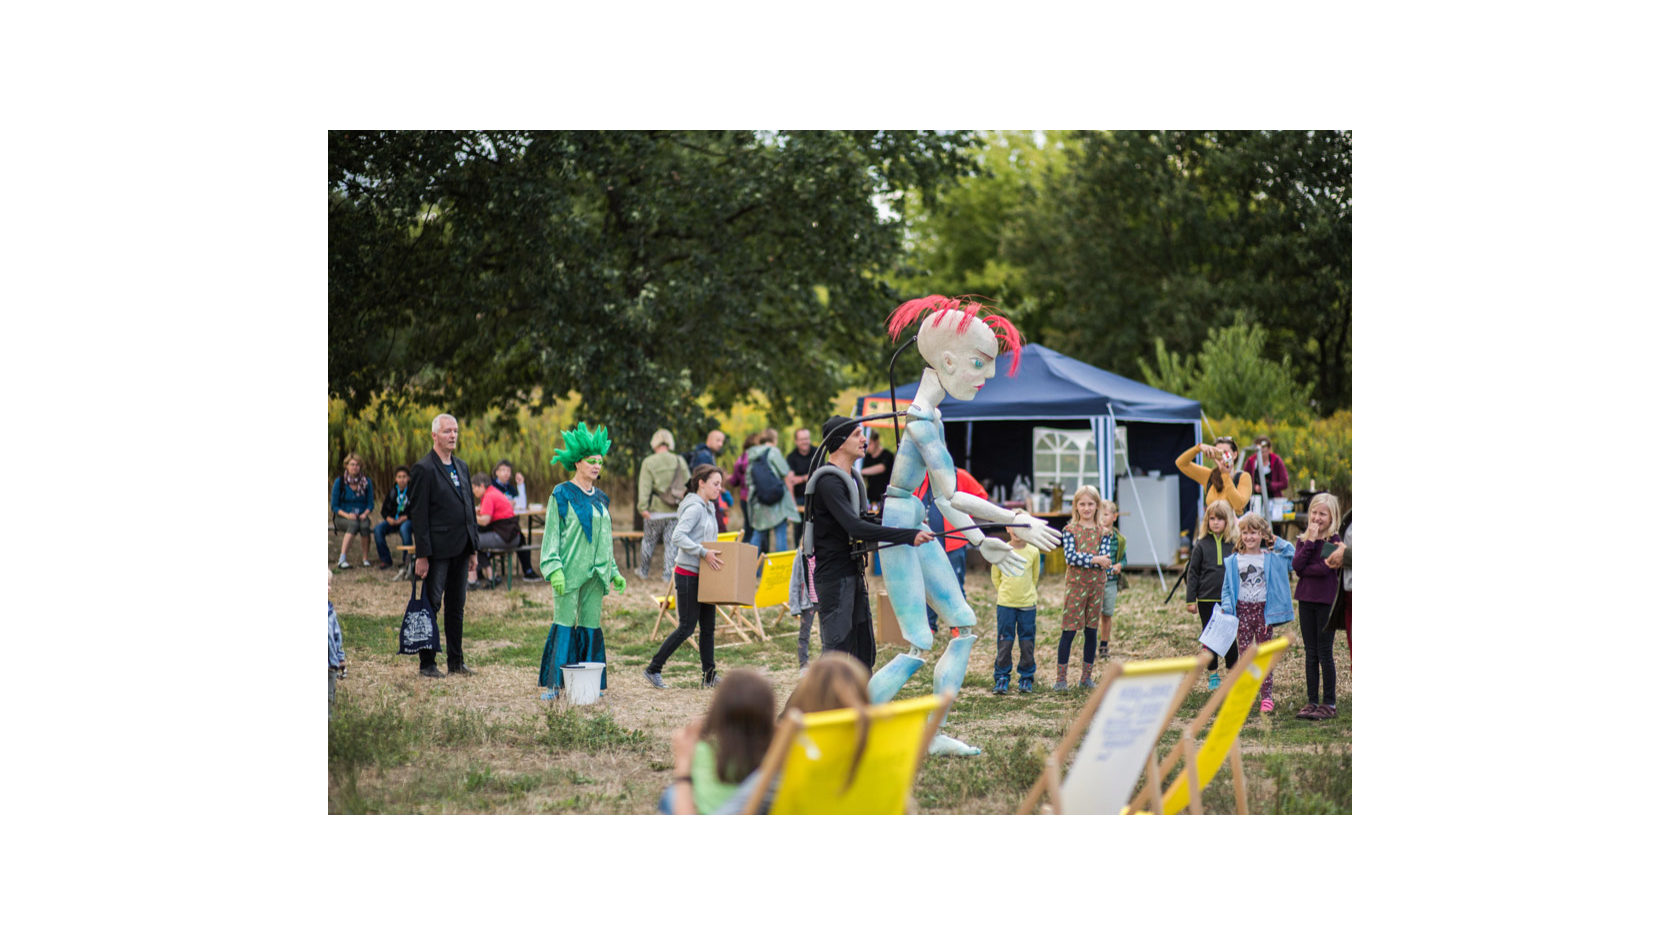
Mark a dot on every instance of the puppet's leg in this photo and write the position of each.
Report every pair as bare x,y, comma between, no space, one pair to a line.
946,598
904,594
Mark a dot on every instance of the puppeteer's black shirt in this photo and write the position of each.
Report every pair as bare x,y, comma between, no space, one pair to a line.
832,519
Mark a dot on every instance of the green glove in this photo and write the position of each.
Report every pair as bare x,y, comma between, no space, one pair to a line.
618,583
558,580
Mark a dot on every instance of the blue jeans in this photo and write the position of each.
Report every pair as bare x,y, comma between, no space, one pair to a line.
762,538
959,567
1016,623
406,530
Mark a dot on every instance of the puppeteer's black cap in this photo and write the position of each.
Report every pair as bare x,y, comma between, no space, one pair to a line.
836,429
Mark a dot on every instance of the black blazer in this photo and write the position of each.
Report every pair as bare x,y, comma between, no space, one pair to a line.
444,519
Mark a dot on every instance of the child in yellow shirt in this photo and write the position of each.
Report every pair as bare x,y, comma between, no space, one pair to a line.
1017,618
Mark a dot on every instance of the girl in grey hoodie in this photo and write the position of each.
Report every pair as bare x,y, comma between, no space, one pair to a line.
696,524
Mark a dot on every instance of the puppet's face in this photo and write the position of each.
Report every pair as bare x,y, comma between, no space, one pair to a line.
965,360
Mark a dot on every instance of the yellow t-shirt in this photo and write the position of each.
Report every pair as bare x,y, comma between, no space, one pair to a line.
1019,592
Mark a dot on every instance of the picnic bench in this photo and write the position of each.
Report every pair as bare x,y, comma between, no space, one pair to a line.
628,542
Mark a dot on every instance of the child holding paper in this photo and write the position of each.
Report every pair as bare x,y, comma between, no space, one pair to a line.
1257,588
1205,574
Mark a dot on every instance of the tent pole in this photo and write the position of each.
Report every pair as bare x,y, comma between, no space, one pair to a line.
1126,457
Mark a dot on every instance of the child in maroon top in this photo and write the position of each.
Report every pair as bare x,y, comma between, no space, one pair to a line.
1316,591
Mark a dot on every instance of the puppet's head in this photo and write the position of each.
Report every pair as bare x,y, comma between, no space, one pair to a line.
959,339
581,442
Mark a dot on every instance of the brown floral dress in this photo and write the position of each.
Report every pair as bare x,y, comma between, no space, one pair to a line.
1083,606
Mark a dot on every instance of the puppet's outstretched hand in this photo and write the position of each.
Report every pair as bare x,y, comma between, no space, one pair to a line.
1036,532
997,551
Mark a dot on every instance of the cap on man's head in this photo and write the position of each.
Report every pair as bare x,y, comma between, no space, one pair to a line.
835,430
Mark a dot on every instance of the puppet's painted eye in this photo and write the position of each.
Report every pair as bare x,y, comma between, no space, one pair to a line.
977,364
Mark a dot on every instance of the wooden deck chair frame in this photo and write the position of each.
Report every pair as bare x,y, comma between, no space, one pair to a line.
1050,782
793,723
1225,714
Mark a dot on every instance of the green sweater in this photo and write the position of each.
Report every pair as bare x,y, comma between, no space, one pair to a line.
657,471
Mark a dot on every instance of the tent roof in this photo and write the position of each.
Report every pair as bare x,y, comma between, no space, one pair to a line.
1051,385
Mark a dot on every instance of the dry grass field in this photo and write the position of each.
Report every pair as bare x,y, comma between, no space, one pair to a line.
400,743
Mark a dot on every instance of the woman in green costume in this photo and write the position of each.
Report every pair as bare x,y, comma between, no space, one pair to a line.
577,558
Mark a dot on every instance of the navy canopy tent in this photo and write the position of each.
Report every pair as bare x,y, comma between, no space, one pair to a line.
991,435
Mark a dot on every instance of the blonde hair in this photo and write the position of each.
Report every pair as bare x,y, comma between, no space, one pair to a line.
663,437
1221,509
1073,503
1107,506
1328,500
1257,522
836,680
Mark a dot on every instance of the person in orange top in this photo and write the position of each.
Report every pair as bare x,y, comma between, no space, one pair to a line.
1220,481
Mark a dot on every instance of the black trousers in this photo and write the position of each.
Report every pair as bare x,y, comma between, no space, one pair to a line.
689,612
1205,608
843,611
446,588
1317,636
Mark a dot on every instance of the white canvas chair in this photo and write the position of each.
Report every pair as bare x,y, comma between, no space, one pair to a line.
1116,733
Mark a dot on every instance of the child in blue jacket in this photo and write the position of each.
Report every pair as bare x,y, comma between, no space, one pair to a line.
1257,588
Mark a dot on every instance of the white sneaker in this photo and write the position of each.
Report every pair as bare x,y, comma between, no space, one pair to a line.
343,562
366,563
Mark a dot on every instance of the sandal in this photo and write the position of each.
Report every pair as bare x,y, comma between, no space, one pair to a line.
1326,712
1309,712
1266,707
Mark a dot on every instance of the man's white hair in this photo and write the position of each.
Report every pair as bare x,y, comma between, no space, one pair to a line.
437,421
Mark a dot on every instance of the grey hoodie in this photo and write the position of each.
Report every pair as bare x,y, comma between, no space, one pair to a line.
696,523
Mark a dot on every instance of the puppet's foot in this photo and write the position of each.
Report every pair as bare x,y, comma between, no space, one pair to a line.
889,679
549,695
948,673
946,745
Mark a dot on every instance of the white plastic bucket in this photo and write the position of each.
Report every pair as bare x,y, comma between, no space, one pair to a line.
583,682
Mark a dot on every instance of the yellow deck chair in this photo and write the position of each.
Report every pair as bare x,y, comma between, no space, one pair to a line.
813,753
772,586
1232,703
1116,733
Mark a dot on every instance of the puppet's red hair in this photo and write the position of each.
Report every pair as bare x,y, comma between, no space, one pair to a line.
938,306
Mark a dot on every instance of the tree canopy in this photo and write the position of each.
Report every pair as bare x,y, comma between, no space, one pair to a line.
642,269
1099,243
648,271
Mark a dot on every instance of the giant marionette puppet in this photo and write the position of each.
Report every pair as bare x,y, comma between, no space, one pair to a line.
959,341
577,558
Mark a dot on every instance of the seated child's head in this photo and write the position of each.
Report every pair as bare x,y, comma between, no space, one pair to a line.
1219,521
480,482
402,477
1256,533
1107,513
836,681
740,723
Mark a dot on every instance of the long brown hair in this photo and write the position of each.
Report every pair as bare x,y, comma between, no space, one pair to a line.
1216,481
836,681
740,722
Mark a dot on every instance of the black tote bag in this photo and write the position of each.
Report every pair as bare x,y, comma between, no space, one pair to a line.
419,630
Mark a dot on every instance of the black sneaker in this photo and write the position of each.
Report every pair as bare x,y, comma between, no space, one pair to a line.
653,679
461,671
431,672
533,576
709,682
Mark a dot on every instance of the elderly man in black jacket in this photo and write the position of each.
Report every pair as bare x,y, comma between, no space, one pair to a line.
445,537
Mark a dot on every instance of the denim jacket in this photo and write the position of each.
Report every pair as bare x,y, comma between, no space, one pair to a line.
1279,609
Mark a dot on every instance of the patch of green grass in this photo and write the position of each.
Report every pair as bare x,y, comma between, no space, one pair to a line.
575,730
359,735
1315,782
946,782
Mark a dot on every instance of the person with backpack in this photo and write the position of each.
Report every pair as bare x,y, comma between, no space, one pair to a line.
835,503
770,493
659,490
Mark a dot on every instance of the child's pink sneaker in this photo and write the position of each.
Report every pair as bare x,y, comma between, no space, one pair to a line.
1266,707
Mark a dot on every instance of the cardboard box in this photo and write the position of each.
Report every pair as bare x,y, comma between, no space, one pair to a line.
887,632
737,583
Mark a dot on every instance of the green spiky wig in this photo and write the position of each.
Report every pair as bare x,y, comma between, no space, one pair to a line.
581,442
